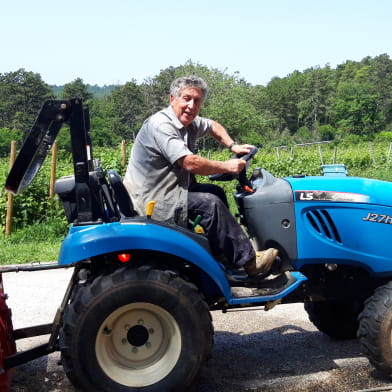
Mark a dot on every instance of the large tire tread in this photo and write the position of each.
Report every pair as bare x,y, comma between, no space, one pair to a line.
336,319
90,294
375,327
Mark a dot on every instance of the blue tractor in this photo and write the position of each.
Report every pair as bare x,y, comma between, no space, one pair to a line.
136,314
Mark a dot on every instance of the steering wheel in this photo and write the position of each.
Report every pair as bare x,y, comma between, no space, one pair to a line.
242,175
248,156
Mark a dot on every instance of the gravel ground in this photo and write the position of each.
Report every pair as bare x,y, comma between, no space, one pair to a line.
254,350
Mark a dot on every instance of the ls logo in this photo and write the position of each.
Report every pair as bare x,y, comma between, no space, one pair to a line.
333,196
305,195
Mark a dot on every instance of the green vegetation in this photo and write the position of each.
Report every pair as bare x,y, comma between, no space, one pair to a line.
350,107
39,224
37,242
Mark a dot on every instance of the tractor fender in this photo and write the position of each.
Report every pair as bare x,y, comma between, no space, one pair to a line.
83,242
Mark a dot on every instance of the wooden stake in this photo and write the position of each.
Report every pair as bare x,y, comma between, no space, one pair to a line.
123,153
53,170
320,154
372,153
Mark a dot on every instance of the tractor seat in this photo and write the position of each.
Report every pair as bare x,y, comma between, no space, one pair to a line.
121,195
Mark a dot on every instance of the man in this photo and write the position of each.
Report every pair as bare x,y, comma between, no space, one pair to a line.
163,164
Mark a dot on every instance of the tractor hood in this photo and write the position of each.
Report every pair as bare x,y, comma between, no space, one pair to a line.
341,189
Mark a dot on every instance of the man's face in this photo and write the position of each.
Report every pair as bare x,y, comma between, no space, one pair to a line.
187,105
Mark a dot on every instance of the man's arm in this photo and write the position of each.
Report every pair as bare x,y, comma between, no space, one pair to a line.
199,165
219,133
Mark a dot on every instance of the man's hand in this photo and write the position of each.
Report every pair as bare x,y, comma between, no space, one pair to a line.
235,166
241,149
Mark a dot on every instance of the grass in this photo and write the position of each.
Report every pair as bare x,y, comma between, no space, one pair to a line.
39,242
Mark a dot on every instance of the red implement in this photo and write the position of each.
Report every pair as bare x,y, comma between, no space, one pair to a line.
7,342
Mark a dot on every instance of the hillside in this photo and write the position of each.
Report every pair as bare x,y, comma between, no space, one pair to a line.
97,91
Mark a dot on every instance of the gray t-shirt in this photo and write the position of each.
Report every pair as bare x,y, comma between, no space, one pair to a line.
152,172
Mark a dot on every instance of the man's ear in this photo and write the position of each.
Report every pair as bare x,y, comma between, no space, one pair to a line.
171,98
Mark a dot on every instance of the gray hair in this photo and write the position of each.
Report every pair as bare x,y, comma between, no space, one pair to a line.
190,82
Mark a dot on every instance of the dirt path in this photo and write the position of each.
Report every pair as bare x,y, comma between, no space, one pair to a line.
256,351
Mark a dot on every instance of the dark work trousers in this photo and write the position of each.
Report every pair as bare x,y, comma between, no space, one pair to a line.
225,235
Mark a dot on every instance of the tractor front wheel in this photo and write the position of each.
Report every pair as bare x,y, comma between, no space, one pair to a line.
337,319
139,329
375,328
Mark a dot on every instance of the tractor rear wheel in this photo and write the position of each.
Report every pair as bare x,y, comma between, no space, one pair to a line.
375,328
136,330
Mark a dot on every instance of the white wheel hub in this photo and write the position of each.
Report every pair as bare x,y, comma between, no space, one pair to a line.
138,344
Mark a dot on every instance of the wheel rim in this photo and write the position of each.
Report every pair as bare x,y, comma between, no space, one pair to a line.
138,344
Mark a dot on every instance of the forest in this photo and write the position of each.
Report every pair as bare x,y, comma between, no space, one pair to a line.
351,102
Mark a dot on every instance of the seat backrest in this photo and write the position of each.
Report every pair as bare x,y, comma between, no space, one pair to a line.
121,195
99,206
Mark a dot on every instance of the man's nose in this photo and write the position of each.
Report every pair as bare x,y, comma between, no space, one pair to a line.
191,103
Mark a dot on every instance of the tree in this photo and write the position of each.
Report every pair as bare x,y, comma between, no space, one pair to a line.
22,94
229,104
103,122
282,97
354,109
129,109
381,78
156,90
6,137
315,94
76,89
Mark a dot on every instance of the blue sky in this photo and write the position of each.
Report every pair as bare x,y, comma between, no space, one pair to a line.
115,41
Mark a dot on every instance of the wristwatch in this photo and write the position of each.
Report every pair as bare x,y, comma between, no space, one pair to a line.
232,145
